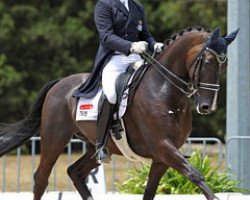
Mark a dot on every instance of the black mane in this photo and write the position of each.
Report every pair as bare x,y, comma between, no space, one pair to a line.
182,32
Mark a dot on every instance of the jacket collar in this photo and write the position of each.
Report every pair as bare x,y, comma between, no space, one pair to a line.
132,10
122,7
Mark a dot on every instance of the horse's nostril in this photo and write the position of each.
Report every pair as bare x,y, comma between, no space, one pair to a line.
205,107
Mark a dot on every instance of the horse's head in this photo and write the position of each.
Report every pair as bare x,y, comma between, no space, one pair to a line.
207,69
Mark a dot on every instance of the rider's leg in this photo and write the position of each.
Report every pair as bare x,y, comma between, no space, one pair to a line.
106,110
117,65
109,75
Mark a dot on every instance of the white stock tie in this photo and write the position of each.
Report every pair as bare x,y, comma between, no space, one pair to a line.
125,3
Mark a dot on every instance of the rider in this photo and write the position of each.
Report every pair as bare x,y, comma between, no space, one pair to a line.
123,35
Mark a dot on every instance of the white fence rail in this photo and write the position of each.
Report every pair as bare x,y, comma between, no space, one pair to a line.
202,144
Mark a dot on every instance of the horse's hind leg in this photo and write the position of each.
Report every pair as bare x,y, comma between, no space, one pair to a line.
80,170
156,172
52,145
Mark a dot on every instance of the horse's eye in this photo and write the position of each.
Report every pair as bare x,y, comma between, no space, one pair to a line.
207,62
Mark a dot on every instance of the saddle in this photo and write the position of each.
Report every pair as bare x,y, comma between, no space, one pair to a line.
124,82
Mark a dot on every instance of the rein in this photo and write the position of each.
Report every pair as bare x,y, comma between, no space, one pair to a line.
165,72
190,87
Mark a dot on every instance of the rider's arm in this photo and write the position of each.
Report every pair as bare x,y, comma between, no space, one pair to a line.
104,25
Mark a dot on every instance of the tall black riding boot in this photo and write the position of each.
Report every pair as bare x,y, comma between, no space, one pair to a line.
104,122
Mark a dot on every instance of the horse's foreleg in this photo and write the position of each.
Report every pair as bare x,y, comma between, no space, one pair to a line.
171,157
80,170
156,172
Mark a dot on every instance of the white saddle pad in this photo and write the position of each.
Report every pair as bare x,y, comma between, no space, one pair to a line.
87,109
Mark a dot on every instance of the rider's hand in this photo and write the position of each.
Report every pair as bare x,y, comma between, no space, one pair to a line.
139,47
158,47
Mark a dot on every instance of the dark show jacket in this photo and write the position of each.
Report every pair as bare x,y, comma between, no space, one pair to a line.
117,28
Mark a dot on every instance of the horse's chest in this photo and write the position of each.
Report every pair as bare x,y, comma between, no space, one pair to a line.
178,125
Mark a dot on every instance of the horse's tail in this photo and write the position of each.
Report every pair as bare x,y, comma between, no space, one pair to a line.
15,134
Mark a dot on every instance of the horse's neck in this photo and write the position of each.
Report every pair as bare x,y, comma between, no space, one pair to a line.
181,53
175,59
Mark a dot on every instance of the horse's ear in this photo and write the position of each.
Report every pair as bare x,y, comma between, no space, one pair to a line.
215,35
229,38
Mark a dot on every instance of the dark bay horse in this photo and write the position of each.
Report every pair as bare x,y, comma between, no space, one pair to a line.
158,121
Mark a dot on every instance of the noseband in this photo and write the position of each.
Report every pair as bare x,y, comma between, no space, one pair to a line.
190,87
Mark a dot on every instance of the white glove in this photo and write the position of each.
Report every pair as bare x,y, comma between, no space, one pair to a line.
158,47
139,47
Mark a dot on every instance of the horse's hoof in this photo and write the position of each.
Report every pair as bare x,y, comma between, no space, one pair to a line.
90,198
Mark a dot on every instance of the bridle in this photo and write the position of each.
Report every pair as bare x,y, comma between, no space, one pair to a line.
190,88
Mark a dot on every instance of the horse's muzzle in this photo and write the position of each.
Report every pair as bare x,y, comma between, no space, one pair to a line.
204,108
205,104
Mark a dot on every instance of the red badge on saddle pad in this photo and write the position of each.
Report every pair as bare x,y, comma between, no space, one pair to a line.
86,106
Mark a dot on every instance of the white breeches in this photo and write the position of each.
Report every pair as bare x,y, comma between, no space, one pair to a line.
117,65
